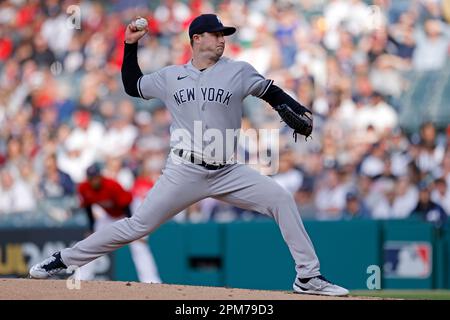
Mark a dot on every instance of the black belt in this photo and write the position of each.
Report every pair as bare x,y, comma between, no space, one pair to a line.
209,166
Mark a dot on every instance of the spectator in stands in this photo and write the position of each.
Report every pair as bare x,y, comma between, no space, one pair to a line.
373,164
426,209
401,34
385,207
330,196
54,183
366,191
387,79
440,194
304,197
396,200
354,207
429,10
74,58
49,120
74,157
378,114
54,29
289,177
14,154
263,50
153,56
88,130
15,195
398,149
430,151
432,47
172,16
42,55
406,196
116,170
29,177
143,120
285,32
121,133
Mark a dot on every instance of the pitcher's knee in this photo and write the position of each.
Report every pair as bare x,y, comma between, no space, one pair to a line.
137,227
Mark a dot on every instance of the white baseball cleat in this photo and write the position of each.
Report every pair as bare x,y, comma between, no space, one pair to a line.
47,268
318,285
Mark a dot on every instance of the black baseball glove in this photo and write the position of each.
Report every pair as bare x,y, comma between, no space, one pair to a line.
298,118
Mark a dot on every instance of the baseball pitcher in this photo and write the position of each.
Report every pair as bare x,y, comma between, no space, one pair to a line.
206,93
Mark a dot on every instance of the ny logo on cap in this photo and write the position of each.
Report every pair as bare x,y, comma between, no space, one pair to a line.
219,20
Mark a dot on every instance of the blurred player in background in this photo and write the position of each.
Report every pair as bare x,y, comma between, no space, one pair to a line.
105,202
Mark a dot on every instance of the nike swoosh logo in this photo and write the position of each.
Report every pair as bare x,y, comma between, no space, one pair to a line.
181,78
300,287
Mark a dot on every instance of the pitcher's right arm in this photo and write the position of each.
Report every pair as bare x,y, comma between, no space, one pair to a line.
131,72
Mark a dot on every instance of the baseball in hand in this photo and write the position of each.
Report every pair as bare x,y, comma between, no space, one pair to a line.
141,24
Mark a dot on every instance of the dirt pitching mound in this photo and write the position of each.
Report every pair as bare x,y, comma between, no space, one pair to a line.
27,289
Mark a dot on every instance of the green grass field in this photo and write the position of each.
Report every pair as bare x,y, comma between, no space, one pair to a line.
404,294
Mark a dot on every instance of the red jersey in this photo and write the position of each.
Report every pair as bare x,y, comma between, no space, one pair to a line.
111,196
141,187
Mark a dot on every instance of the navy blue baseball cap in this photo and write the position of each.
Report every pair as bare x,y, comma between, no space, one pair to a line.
93,170
209,23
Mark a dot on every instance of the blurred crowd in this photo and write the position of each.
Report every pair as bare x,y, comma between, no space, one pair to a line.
62,105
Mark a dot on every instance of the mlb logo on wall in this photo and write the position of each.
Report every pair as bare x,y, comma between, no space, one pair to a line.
412,260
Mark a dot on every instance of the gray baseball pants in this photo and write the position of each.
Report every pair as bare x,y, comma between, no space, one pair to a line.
183,184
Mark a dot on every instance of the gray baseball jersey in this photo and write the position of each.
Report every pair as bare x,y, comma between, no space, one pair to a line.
212,98
199,101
